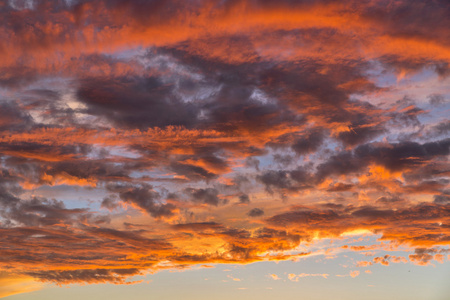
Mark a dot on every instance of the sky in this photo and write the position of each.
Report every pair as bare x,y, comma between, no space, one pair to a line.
217,149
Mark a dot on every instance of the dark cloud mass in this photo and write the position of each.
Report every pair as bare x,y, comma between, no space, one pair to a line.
394,157
137,136
255,212
208,196
136,102
144,197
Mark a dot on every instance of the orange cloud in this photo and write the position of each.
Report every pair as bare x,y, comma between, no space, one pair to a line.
12,284
296,277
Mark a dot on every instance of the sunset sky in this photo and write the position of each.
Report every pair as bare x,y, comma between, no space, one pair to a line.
224,149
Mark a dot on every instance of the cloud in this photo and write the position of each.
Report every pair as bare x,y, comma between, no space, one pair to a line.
13,118
423,256
208,196
135,102
436,99
244,199
170,150
363,263
354,274
275,277
255,212
12,284
296,277
116,276
143,197
192,172
285,180
394,157
309,143
399,224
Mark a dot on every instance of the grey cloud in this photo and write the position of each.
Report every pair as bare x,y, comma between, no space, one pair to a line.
192,172
145,197
208,196
309,143
286,180
255,212
244,199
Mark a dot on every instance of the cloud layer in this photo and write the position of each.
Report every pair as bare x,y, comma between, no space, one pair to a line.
145,135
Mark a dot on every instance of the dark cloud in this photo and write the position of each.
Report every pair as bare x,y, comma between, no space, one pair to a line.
307,216
36,211
148,13
198,226
309,143
278,179
110,203
286,180
407,117
394,157
116,276
131,238
7,198
17,76
403,155
235,110
341,187
194,173
363,127
175,98
43,94
423,256
255,212
44,152
419,224
283,160
442,199
136,102
387,200
95,169
252,162
244,199
340,164
436,99
372,213
442,128
13,118
415,20
208,196
321,88
145,197
44,212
